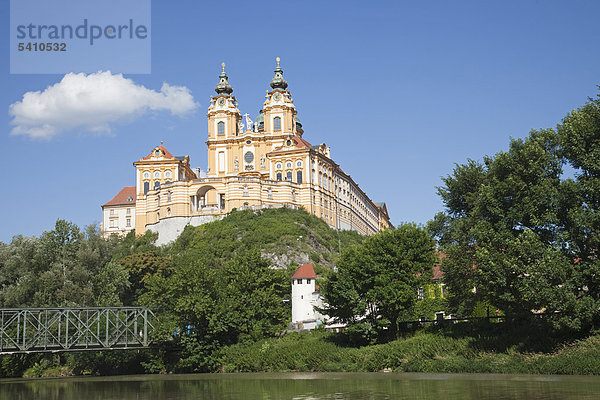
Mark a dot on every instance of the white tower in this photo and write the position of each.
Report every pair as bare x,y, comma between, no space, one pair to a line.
303,294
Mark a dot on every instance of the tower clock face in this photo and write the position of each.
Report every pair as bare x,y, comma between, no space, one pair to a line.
249,157
277,96
221,102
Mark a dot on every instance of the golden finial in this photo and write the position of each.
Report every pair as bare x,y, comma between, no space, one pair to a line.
278,59
223,66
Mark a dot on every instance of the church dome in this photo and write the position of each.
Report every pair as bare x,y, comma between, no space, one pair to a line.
278,82
223,87
260,120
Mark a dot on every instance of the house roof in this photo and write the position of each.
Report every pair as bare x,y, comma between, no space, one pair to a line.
305,271
162,148
299,143
122,198
437,273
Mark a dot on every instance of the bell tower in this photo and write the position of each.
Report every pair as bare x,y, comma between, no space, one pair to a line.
224,121
278,117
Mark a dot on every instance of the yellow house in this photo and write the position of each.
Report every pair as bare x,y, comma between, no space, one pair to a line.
251,165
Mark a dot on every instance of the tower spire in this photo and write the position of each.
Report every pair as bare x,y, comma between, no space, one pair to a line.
223,87
278,82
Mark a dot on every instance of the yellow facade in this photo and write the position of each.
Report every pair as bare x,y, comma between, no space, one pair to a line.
260,164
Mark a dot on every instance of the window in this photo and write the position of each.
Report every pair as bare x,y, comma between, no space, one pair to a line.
276,124
279,176
270,193
420,295
221,128
156,185
169,196
308,280
278,166
128,222
113,223
221,161
168,174
245,190
157,175
129,211
298,163
146,187
112,212
299,176
300,281
288,165
157,153
288,176
169,212
293,195
146,175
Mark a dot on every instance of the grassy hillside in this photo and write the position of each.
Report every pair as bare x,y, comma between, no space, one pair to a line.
284,236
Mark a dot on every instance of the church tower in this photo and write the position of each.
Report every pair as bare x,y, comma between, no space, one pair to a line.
224,121
278,116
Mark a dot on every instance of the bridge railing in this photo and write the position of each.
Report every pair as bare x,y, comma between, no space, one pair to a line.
26,330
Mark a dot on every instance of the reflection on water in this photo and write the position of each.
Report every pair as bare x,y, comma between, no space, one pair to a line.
304,386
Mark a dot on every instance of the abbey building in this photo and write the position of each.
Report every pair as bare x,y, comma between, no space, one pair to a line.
251,165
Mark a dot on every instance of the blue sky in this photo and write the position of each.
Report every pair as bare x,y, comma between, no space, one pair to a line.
400,91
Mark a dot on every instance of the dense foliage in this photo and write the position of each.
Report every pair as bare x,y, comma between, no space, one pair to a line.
212,287
487,348
376,283
523,236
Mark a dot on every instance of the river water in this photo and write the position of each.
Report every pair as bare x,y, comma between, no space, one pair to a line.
309,386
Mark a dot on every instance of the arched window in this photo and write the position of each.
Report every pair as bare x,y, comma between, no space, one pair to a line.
146,175
146,187
221,128
299,176
168,174
157,175
288,176
277,124
279,176
156,185
278,166
169,196
245,190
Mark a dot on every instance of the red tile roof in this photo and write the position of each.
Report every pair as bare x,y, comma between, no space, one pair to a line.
163,149
437,272
299,142
305,271
122,197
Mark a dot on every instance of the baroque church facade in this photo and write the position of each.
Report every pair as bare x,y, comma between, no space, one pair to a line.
251,165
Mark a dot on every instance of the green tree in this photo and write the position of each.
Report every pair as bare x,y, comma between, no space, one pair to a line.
207,306
522,236
379,280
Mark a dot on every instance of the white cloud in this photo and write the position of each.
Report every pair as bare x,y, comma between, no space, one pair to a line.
92,102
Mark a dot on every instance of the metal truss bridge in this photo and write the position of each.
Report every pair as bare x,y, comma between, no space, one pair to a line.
29,330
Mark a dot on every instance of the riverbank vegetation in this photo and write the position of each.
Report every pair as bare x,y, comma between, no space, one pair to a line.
465,349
